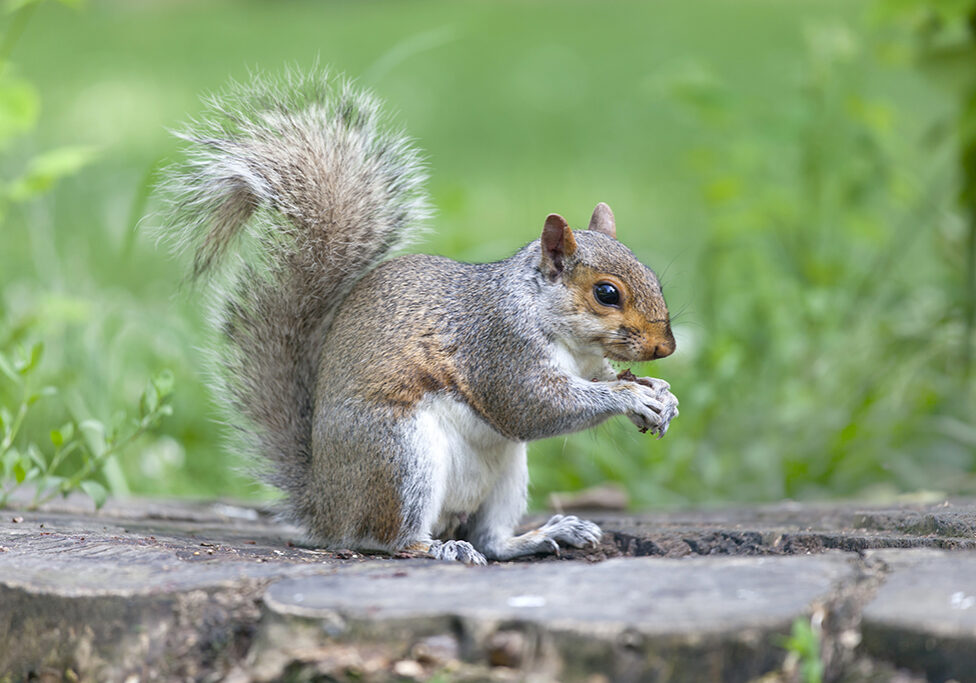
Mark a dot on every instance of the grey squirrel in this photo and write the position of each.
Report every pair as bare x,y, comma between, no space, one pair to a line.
391,399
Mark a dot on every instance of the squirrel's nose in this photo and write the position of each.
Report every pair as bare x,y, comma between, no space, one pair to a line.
663,350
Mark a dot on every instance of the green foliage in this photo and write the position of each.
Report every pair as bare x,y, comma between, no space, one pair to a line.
942,36
79,450
794,180
20,107
46,169
804,646
811,310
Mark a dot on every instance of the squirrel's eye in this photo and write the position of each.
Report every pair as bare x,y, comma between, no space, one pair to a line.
606,294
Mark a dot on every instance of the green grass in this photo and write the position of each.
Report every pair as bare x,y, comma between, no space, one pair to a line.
772,160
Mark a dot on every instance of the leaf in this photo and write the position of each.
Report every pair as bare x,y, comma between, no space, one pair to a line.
38,395
111,438
94,433
19,107
20,472
29,359
34,453
46,169
51,481
8,369
60,436
95,491
37,350
149,400
10,460
163,381
804,642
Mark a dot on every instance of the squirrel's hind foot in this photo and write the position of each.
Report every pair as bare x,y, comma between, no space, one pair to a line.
570,530
559,531
455,551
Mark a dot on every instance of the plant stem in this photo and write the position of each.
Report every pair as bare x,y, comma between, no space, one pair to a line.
14,428
61,455
89,466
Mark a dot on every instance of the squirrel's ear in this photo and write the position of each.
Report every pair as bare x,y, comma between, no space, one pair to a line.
558,243
602,221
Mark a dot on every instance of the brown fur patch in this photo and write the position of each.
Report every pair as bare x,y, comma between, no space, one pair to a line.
384,517
423,366
641,316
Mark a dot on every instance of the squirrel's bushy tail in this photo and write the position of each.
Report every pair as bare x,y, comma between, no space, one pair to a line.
292,191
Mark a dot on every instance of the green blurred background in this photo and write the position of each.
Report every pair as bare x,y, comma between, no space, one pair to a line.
790,169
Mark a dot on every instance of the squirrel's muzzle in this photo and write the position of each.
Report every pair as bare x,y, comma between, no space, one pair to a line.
663,349
659,346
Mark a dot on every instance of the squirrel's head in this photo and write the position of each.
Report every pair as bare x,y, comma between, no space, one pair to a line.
603,294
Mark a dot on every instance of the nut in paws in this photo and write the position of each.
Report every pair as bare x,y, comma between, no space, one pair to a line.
657,406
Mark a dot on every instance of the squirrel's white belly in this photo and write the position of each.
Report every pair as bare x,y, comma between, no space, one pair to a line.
467,457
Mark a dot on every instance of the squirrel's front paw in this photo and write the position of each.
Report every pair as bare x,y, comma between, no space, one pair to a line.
456,551
663,393
654,406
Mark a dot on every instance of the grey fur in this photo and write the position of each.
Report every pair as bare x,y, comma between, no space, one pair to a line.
304,176
392,398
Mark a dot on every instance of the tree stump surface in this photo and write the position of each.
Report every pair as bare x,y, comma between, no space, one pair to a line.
164,590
